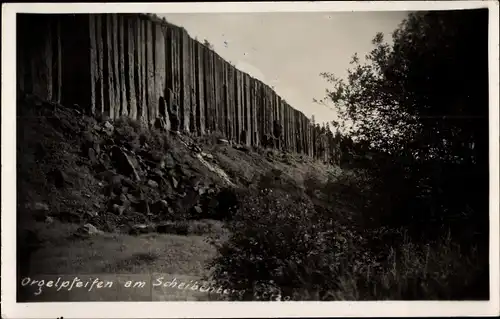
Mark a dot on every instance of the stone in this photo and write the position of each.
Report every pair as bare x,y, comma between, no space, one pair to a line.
93,214
157,172
105,160
152,183
169,160
122,162
117,209
90,229
223,141
91,153
175,183
161,164
88,138
141,229
163,209
202,190
206,155
242,148
174,120
195,148
49,220
156,156
108,128
143,206
163,203
97,148
39,207
132,199
198,209
160,123
124,200
171,211
180,170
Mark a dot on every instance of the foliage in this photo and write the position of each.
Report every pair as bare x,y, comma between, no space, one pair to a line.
408,217
285,246
134,135
208,44
273,241
418,92
415,113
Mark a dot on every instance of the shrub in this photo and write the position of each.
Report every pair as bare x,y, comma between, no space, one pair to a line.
228,202
211,138
134,135
289,246
276,179
127,132
280,244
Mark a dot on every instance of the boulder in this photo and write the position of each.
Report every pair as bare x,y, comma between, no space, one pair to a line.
139,229
195,148
122,162
160,123
38,207
223,141
92,155
118,209
152,184
92,214
160,207
169,160
108,128
206,155
198,209
242,148
89,229
175,183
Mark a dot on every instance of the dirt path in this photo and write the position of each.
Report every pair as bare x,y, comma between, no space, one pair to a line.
161,261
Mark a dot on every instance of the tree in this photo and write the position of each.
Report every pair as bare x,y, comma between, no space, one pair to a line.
421,102
208,44
422,82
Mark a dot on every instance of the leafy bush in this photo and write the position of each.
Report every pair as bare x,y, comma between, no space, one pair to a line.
134,135
290,246
278,240
227,203
276,179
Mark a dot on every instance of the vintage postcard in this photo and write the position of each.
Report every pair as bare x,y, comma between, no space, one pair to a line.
250,159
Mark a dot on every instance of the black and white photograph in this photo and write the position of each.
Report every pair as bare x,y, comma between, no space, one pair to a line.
167,154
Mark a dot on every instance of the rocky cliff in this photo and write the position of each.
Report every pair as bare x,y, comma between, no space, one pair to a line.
138,66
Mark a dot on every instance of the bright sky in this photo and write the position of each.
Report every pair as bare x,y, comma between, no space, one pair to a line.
290,50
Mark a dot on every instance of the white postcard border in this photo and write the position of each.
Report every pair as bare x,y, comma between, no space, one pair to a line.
11,309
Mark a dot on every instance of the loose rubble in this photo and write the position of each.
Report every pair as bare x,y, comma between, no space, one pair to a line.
136,185
144,188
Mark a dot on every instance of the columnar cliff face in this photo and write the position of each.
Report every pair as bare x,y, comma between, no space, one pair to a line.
136,66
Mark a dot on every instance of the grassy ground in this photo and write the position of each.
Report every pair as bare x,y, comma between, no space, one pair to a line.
120,257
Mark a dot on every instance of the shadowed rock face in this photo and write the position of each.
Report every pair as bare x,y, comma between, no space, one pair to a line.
137,66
